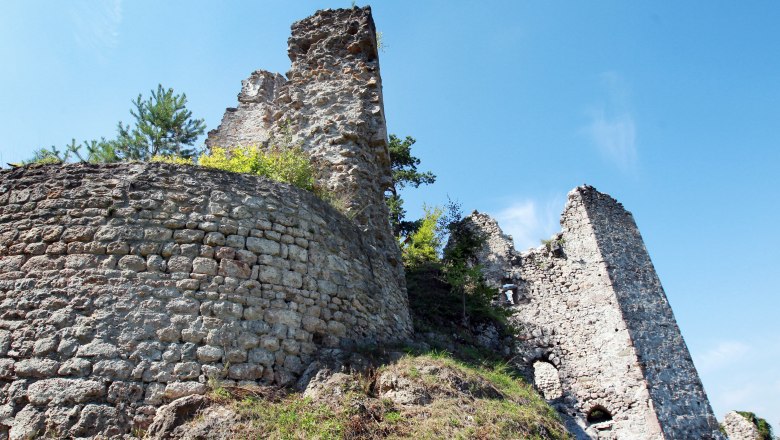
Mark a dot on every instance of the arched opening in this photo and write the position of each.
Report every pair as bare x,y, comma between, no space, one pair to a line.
509,292
599,414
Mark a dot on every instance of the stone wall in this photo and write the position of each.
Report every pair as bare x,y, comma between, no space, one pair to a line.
590,304
739,427
331,103
124,286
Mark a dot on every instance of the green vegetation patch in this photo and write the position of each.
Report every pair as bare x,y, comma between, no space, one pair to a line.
288,164
294,417
764,428
467,401
472,401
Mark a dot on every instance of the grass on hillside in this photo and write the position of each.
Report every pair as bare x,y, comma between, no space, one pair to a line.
467,402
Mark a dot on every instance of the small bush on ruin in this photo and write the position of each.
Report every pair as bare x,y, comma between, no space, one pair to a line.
424,244
176,160
764,428
282,164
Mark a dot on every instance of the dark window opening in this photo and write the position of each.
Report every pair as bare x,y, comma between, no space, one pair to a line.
599,414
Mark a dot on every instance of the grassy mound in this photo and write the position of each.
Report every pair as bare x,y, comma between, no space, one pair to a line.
430,396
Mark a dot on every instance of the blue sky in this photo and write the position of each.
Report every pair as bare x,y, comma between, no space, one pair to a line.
671,107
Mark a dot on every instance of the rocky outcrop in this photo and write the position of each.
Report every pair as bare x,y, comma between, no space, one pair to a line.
497,256
413,397
739,427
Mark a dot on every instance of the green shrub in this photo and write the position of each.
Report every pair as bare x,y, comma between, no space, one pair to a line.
48,160
176,160
764,428
424,244
283,164
461,270
294,417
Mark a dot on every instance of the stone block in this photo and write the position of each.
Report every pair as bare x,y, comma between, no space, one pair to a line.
155,263
209,353
297,253
269,274
261,356
124,392
112,369
313,324
235,241
234,269
75,367
247,257
188,236
283,316
155,393
269,343
235,355
36,368
337,329
214,239
186,306
175,390
58,391
78,233
134,263
187,370
263,246
293,364
292,279
205,266
45,346
245,371
180,263
157,233
7,369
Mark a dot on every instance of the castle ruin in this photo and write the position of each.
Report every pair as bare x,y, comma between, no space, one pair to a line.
125,286
598,333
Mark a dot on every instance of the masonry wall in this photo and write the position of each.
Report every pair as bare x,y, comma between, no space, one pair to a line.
331,103
591,306
675,388
124,286
740,427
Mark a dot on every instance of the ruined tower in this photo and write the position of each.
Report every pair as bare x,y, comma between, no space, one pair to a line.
598,331
125,286
331,103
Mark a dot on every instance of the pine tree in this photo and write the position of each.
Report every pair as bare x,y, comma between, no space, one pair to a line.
163,126
404,169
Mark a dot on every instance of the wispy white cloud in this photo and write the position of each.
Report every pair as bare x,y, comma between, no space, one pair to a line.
724,354
612,127
96,24
742,376
528,220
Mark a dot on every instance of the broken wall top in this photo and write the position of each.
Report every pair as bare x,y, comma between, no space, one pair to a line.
331,104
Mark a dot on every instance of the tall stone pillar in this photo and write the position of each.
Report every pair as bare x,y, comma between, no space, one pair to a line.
331,103
592,312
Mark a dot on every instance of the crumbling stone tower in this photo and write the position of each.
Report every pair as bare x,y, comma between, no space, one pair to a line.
125,286
598,331
331,102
